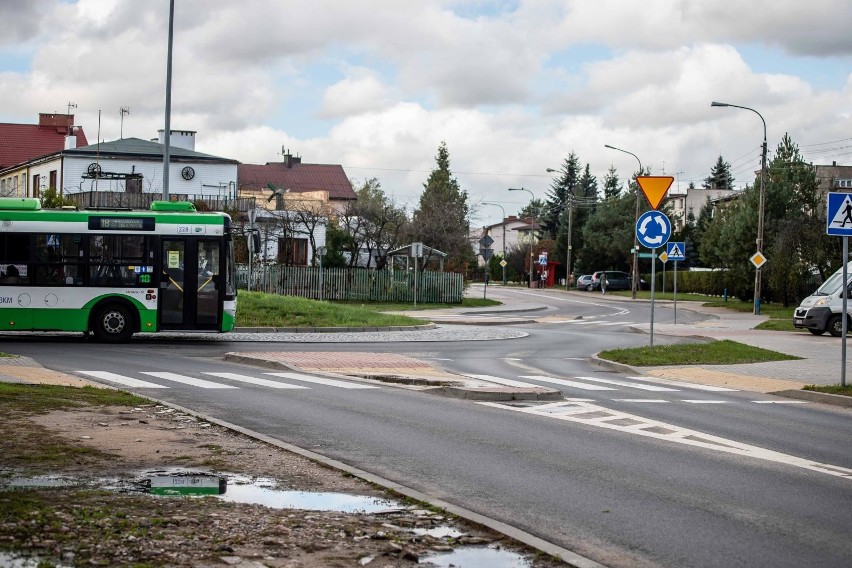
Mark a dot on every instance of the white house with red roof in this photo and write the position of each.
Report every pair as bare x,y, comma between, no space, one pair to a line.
20,143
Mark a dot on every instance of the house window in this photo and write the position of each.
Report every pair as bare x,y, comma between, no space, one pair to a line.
293,252
36,182
52,184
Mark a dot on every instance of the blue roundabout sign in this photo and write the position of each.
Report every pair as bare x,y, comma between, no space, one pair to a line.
653,229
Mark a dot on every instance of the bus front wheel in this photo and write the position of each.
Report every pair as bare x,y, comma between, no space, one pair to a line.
113,324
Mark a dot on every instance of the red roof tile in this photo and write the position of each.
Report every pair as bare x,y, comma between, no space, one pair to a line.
22,142
298,177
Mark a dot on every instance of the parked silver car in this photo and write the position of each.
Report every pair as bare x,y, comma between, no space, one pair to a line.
584,282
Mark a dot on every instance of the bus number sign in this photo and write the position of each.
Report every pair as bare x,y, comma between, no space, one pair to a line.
121,223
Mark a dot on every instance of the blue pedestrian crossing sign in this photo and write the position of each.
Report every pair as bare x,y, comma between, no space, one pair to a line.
653,229
839,216
676,251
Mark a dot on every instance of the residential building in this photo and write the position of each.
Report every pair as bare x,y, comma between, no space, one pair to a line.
20,143
291,176
692,200
834,177
294,202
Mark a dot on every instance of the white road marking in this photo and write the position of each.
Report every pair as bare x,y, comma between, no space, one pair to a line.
705,401
321,381
624,384
565,383
780,401
602,417
683,384
641,400
255,381
200,383
122,380
501,381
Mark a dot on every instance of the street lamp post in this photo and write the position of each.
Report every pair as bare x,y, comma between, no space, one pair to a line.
569,203
635,280
504,236
759,239
532,229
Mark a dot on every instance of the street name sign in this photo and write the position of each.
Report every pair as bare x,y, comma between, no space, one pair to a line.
654,188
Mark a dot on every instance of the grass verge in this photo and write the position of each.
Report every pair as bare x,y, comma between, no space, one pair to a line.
256,309
725,352
38,399
830,389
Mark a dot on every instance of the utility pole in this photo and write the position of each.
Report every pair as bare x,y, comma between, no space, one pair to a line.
635,280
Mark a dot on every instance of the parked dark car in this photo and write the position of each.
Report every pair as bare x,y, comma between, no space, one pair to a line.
584,281
615,280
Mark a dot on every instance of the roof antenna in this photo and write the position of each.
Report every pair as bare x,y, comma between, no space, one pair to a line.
70,106
123,111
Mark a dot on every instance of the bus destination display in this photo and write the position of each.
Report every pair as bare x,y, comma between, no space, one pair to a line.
121,223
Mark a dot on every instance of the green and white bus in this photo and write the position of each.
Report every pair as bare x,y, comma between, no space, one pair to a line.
115,272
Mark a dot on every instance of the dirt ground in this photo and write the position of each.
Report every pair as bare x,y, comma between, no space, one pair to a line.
86,524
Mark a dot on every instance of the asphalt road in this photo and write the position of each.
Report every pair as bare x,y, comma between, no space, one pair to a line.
745,485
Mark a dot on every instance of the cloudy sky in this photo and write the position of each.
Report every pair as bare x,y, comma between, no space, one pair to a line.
512,86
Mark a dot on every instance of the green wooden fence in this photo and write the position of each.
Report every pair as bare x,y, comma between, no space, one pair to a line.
354,284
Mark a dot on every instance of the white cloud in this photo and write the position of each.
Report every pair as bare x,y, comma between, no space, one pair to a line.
377,85
354,95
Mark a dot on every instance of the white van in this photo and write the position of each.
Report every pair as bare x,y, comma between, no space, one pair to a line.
820,312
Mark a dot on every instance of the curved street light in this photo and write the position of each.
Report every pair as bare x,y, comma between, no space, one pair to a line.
532,229
504,235
759,239
569,199
635,280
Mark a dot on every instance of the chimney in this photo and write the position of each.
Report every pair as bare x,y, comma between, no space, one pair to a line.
179,138
61,122
290,159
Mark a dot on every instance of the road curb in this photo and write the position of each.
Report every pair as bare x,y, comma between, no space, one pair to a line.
429,325
814,396
498,394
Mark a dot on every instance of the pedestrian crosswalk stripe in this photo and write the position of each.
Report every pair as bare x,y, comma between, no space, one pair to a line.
201,383
255,381
501,381
631,385
683,384
565,383
321,381
121,380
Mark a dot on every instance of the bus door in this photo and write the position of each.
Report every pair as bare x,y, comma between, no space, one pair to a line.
191,284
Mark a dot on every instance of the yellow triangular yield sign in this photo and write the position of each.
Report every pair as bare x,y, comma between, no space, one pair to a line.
654,188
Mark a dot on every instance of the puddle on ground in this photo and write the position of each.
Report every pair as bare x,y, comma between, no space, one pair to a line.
307,500
439,532
477,557
262,491
8,560
231,488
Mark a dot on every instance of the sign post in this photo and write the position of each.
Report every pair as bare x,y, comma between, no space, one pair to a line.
653,230
676,252
416,252
839,213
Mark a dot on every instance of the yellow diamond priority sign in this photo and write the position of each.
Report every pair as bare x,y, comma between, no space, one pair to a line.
654,188
757,259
